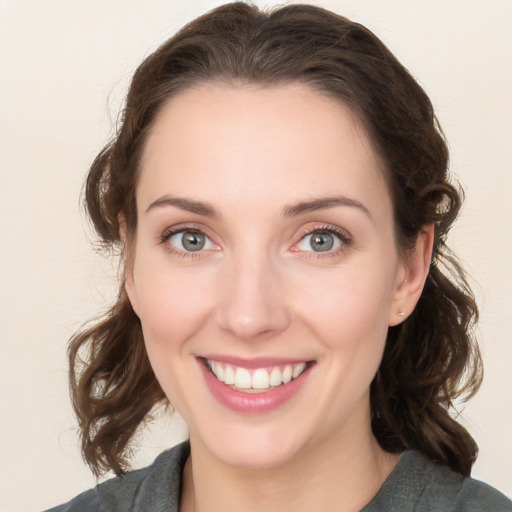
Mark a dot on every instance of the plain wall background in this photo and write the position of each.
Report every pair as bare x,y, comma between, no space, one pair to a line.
64,68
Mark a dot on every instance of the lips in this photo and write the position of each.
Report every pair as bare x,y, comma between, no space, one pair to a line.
254,386
244,379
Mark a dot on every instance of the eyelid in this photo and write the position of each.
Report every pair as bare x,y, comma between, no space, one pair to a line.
171,231
344,237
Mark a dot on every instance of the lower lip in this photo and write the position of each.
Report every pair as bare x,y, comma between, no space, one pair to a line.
252,403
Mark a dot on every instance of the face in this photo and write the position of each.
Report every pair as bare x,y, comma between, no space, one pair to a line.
265,272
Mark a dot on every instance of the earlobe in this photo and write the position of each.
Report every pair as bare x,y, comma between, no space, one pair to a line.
412,277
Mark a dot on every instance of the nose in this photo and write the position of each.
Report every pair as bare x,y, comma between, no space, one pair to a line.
252,303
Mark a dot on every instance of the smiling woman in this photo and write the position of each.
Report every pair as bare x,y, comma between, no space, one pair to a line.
279,188
287,282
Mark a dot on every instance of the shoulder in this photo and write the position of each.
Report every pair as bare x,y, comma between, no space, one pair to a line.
156,487
476,496
420,485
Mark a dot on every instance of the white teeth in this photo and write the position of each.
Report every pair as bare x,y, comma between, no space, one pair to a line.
242,379
260,378
298,370
276,377
287,374
229,376
218,370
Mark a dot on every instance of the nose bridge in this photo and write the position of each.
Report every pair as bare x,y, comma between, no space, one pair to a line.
253,302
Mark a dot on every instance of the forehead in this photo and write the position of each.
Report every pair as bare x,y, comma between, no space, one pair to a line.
250,144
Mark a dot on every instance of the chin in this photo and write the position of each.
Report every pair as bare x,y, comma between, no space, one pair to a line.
253,448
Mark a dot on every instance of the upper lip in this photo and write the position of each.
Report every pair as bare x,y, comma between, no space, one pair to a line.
253,363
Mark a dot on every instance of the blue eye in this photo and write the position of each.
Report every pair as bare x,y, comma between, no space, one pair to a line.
189,241
320,241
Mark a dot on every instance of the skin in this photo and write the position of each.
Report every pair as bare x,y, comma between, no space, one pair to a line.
259,289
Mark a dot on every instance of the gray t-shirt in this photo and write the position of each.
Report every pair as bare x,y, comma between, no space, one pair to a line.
415,485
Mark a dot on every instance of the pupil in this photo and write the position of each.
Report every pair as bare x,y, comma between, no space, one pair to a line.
193,241
322,242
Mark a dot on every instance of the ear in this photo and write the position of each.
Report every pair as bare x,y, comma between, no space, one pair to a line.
411,277
127,254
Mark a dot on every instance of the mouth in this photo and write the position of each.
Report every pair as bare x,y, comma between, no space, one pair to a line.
254,386
255,380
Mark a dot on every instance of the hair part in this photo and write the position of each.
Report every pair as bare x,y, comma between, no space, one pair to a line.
430,360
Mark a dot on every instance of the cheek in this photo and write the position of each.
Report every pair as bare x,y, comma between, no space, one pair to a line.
172,305
352,329
349,319
348,305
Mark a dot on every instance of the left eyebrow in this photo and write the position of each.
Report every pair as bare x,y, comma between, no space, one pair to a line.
184,203
323,203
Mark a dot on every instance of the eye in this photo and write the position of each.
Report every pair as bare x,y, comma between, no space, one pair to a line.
322,240
188,240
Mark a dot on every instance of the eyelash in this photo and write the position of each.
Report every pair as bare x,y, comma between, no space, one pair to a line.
169,233
341,234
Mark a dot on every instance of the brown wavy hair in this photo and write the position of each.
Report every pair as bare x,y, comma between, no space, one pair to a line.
430,359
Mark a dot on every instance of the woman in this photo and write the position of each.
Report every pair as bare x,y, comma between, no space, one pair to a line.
279,189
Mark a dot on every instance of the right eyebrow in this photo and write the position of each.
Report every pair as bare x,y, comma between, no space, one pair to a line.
189,205
324,203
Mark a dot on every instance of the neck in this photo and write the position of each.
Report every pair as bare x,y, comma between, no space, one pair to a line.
335,475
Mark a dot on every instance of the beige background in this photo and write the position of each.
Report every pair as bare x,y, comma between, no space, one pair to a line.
64,70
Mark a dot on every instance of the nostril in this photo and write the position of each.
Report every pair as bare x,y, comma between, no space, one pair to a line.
257,324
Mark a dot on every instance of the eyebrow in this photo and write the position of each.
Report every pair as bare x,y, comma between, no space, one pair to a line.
207,209
189,205
322,204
